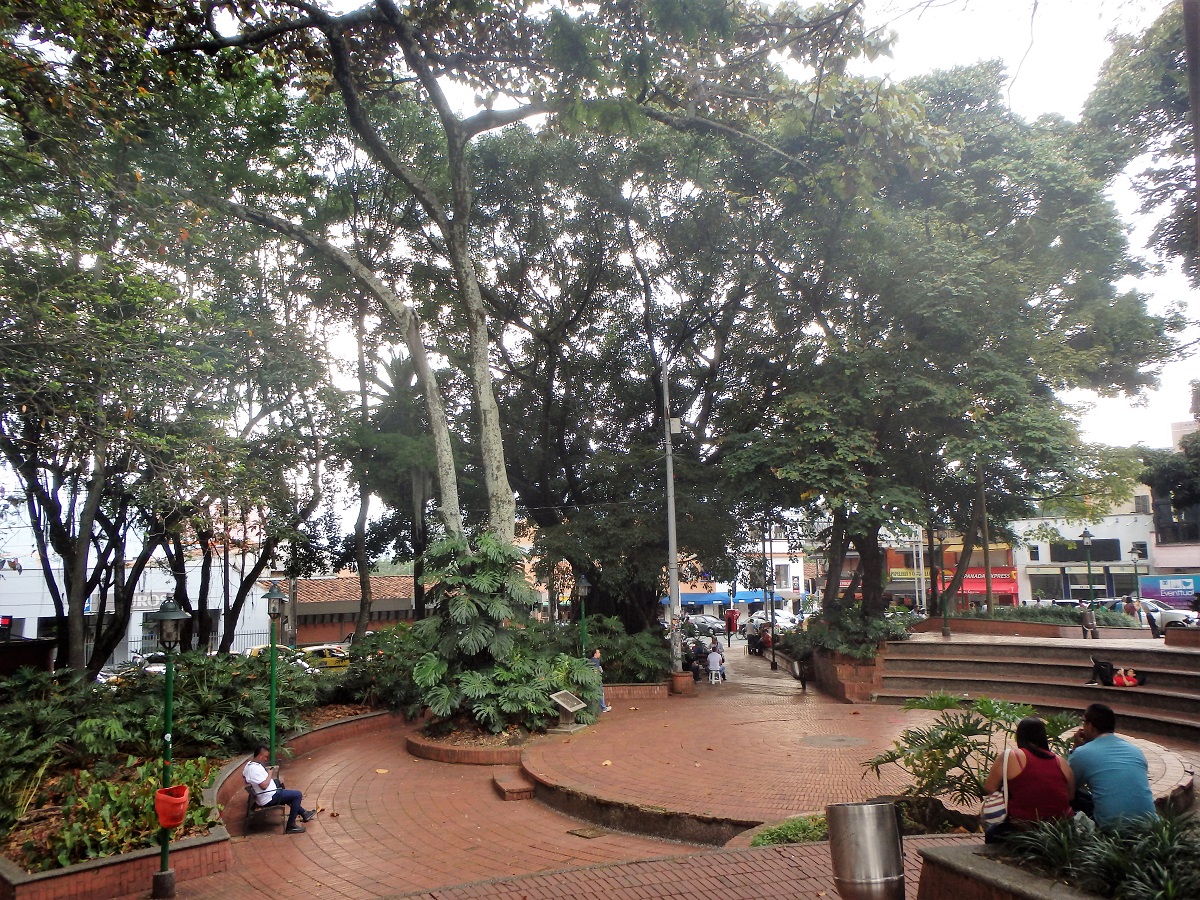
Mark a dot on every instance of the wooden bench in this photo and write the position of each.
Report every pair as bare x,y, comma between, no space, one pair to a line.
254,811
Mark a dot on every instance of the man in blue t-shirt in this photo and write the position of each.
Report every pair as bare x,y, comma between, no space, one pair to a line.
1111,768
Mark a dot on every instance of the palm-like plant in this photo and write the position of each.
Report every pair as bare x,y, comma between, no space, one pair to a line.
951,757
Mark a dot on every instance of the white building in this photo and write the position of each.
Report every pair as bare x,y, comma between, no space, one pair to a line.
1054,562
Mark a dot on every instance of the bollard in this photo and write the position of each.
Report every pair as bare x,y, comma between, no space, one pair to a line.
864,843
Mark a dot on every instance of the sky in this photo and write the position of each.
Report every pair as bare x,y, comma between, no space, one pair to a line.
1053,50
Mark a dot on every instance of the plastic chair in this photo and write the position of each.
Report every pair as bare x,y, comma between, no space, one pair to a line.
714,676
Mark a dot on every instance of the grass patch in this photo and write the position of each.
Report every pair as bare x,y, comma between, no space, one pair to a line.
800,830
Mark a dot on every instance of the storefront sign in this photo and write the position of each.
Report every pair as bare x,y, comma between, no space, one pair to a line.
1004,581
1177,590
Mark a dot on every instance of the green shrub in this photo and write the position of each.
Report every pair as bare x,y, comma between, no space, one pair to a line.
1150,859
643,658
55,722
1049,614
380,671
952,757
800,830
107,816
485,659
847,633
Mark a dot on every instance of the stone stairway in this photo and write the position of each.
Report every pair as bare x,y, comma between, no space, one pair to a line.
1050,674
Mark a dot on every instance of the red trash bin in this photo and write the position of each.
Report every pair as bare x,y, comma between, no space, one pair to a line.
171,804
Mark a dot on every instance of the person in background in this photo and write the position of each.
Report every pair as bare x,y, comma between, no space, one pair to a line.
1040,783
268,792
595,663
1150,620
716,662
1113,771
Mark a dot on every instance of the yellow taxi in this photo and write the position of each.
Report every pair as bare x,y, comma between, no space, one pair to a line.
325,656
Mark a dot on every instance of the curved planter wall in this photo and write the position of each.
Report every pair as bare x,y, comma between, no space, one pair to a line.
194,857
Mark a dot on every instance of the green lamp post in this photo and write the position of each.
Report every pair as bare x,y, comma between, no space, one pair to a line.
170,619
1086,537
941,536
1135,554
274,598
582,585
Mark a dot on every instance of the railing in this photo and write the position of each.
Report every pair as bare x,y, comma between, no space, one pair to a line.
1177,533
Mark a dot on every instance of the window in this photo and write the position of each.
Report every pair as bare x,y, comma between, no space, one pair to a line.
1035,553
1139,549
1141,504
1103,550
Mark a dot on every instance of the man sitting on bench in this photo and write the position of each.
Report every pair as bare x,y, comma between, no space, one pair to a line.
267,792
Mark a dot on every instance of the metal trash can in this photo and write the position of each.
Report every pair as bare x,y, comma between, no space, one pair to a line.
864,843
1088,621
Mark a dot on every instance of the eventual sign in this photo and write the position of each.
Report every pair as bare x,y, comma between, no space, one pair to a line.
1175,590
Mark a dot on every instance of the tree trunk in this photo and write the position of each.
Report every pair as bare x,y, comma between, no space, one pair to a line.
872,564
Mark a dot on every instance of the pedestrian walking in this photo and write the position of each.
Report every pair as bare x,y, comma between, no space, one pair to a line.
596,664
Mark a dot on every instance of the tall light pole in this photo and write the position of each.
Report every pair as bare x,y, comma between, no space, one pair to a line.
941,562
672,427
1135,553
1086,537
769,584
170,619
274,598
582,585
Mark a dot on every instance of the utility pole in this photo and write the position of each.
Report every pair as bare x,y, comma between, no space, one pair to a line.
671,426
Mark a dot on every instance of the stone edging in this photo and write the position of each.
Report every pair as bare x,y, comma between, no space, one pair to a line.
652,821
464,756
950,873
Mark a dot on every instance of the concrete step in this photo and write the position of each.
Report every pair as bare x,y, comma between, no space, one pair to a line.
1072,693
511,783
1050,650
1039,670
1050,674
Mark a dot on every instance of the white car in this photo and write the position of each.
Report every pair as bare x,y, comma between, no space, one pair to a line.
1168,616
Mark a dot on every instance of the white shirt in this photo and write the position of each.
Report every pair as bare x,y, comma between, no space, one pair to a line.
714,661
255,773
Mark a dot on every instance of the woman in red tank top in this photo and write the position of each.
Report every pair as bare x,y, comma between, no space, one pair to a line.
1040,783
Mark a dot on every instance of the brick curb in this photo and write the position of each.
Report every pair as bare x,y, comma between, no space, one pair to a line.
463,756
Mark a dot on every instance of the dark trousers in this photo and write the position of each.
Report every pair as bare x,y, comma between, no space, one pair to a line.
292,799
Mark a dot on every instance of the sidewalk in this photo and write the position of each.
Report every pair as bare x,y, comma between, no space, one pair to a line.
752,748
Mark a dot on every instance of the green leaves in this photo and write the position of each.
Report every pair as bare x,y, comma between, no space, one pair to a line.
951,757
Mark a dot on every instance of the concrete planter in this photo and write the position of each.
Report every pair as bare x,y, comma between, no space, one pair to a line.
637,691
682,683
847,678
952,873
116,876
1188,638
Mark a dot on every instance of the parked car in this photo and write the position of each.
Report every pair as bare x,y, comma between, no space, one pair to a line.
1166,615
285,655
706,624
326,656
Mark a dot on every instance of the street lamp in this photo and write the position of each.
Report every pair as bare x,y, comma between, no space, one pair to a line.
1086,537
769,584
170,619
583,586
729,619
941,562
1135,553
274,598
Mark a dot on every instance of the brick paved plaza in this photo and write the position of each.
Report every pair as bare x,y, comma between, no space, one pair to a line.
756,748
